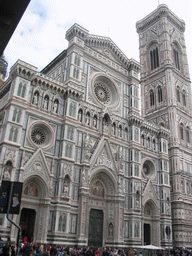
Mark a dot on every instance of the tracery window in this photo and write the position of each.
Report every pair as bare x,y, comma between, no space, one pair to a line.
126,229
164,146
136,229
16,115
160,94
77,60
73,223
137,170
152,98
68,150
13,134
136,134
76,73
70,132
154,58
72,109
21,90
62,223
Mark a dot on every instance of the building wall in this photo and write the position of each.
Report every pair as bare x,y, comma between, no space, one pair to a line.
74,136
166,101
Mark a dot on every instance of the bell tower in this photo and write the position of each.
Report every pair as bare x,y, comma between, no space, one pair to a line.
166,101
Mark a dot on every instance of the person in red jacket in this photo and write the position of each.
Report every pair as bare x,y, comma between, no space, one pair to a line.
25,240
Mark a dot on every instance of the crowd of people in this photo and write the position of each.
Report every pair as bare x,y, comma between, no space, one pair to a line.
32,249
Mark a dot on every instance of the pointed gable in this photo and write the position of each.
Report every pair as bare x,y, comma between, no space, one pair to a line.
103,156
150,193
37,166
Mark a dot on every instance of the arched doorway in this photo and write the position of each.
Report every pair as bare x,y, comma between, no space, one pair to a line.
102,208
34,209
27,223
151,224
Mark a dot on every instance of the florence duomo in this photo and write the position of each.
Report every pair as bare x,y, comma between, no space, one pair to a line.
101,142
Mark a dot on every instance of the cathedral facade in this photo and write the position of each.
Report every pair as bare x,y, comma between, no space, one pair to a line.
95,170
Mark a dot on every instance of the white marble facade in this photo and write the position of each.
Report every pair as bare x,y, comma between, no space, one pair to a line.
74,136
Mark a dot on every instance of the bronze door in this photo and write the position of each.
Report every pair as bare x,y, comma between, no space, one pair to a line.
95,228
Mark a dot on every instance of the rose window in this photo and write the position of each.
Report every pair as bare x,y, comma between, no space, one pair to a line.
38,136
102,92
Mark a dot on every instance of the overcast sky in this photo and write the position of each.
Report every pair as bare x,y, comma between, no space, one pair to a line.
40,35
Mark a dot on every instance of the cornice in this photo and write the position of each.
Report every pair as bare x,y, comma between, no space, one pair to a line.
161,11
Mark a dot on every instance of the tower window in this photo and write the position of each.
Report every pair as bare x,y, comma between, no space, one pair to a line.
184,98
154,58
176,59
178,95
160,94
152,98
188,135
181,132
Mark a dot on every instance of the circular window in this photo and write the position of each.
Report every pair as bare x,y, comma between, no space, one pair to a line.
105,91
148,169
40,134
102,92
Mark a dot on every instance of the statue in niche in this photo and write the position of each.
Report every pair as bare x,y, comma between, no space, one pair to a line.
110,229
87,119
66,185
94,122
6,175
66,188
55,107
35,99
105,125
80,116
46,101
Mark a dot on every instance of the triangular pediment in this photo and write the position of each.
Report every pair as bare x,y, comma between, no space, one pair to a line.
36,166
107,53
107,48
150,193
103,156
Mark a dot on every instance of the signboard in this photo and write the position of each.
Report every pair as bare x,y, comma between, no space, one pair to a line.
15,197
4,196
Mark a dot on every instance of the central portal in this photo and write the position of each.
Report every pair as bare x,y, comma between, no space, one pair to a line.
27,223
95,228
